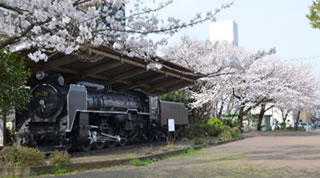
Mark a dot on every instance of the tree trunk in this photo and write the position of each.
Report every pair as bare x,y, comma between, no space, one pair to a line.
260,118
220,111
4,119
240,118
284,118
296,123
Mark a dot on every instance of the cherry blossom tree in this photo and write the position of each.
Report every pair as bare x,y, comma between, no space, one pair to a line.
70,26
299,90
223,65
247,80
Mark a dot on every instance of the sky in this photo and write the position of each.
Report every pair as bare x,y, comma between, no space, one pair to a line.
262,24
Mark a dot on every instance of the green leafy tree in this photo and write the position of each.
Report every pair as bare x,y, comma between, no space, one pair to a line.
314,15
13,94
182,96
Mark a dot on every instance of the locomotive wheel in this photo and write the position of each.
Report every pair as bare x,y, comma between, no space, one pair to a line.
98,145
67,147
86,147
123,143
110,144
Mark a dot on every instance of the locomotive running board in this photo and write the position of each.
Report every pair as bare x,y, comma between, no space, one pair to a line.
115,112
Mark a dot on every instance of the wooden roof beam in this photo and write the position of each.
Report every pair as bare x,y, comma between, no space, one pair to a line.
164,85
146,81
100,68
126,60
177,87
126,75
52,64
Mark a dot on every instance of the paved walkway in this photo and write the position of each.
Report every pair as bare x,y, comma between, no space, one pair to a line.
263,156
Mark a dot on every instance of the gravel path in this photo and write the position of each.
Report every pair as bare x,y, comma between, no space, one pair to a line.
260,156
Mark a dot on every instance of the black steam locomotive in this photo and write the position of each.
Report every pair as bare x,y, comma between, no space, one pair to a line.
82,114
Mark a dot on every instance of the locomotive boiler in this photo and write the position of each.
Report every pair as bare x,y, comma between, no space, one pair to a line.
84,114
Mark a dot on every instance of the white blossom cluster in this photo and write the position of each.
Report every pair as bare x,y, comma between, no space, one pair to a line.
245,79
67,26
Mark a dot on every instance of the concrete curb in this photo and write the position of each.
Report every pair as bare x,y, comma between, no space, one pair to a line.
49,169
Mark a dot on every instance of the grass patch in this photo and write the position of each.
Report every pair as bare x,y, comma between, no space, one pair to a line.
224,157
147,150
192,151
138,162
130,156
189,152
169,147
59,170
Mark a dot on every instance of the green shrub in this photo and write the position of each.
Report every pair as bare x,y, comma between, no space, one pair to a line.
182,96
198,141
211,131
236,133
60,158
29,157
198,130
22,156
213,121
9,156
225,135
229,133
214,126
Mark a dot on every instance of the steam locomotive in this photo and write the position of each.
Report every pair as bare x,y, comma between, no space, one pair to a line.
83,114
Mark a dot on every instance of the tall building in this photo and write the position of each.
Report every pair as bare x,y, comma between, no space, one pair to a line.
224,31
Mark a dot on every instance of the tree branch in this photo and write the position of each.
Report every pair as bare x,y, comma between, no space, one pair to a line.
168,29
13,39
149,10
15,9
270,107
79,2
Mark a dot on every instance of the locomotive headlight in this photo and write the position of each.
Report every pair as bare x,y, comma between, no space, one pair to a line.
40,75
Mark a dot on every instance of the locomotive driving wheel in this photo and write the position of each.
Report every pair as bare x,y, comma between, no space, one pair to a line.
110,144
86,147
99,145
67,147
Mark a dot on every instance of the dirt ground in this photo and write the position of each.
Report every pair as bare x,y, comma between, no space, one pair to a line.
260,156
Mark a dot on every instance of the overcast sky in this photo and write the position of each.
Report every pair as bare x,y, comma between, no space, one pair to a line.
262,24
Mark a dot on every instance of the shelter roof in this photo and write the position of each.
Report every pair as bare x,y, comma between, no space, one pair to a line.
118,71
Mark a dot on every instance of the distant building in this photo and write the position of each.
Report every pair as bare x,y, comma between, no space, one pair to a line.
224,31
